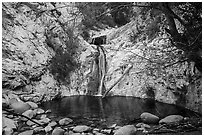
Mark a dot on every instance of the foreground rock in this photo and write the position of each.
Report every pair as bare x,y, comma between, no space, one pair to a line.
81,128
48,129
149,118
32,104
29,114
171,119
39,111
20,107
38,129
58,131
7,131
52,124
45,120
126,130
65,121
28,132
9,123
30,123
142,125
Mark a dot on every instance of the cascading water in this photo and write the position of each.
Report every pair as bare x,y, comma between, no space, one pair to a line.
98,69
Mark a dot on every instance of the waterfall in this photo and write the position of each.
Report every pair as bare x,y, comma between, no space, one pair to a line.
98,71
102,69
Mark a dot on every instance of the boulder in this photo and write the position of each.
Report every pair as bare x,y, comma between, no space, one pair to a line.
126,130
20,107
13,100
45,120
28,132
38,129
171,119
58,131
81,128
142,125
149,118
65,121
39,111
9,123
30,123
48,129
32,104
29,114
52,124
7,131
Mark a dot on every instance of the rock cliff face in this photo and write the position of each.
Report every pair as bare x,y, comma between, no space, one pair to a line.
25,59
26,56
179,84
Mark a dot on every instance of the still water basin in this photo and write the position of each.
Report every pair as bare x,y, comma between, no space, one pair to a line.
110,110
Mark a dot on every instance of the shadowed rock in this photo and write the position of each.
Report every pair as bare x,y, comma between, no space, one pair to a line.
171,119
149,118
126,130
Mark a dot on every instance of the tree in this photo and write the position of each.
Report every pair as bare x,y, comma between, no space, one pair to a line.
182,21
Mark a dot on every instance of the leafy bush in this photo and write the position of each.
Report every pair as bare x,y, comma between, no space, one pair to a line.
64,62
149,90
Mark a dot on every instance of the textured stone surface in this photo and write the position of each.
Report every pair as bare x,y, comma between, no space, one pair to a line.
149,118
171,119
32,104
126,130
65,121
9,123
7,131
29,114
28,132
58,131
81,128
48,128
30,123
38,129
39,111
52,124
142,125
20,107
45,120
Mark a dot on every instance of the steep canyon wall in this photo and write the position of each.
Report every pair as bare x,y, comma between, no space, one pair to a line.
26,56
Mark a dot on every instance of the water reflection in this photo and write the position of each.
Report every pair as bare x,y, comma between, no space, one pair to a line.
110,109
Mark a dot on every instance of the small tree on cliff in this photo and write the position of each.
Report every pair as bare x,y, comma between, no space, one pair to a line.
181,21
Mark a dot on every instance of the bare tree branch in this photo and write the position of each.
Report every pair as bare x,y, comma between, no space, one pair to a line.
125,72
22,116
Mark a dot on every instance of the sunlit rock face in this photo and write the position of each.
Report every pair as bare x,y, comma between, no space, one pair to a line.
25,57
172,87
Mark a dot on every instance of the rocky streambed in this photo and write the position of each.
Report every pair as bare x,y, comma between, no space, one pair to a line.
29,118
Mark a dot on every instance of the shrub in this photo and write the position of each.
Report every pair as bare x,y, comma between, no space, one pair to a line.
150,92
64,62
